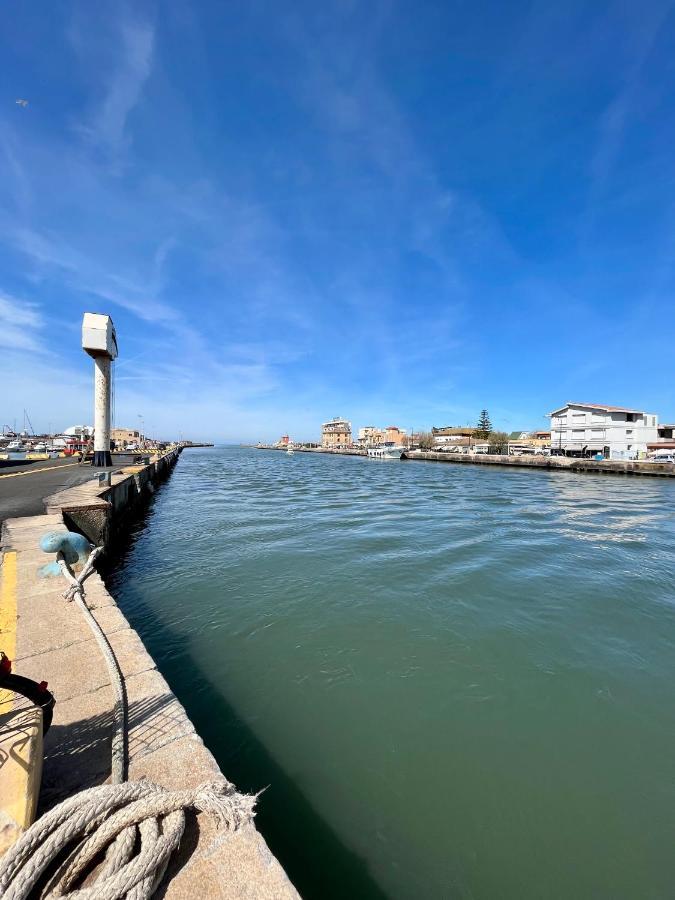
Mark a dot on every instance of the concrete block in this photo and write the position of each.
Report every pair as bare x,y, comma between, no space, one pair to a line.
109,617
71,671
131,654
156,718
183,763
53,623
225,865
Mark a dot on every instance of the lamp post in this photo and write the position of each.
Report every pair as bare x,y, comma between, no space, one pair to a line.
100,342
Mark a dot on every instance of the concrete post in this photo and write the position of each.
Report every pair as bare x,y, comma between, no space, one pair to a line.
100,341
102,455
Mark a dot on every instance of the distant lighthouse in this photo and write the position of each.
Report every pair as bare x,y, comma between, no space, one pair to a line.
100,341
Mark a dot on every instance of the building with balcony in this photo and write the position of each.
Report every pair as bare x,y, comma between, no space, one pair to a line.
336,434
584,429
665,438
370,436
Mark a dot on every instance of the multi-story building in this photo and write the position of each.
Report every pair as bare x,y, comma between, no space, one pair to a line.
370,436
336,433
665,439
394,435
124,436
451,435
583,429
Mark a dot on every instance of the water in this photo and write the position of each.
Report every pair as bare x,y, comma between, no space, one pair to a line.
458,682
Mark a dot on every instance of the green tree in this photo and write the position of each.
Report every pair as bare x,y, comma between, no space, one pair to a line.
484,426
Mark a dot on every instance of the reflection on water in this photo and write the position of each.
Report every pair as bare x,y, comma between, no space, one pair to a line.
594,513
457,682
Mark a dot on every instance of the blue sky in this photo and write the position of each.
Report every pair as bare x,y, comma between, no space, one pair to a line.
395,212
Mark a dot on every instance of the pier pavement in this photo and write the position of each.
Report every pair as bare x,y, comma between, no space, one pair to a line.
24,487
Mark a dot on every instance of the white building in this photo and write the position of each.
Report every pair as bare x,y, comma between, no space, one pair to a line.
84,431
579,429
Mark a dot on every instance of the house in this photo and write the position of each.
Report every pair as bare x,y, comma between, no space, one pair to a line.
451,435
665,438
618,432
336,433
124,436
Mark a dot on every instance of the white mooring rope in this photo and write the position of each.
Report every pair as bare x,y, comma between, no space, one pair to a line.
137,825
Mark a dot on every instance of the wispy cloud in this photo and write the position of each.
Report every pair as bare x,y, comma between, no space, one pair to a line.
107,125
20,325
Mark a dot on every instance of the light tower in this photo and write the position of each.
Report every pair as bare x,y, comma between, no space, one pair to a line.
100,341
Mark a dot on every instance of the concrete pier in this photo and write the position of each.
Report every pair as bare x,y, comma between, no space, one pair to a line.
49,640
560,463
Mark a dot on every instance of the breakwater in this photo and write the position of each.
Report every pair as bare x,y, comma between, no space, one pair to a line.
48,640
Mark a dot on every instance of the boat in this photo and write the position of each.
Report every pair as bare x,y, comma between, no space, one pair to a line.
386,451
290,450
15,447
40,447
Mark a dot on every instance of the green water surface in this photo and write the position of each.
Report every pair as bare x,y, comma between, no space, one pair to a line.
458,682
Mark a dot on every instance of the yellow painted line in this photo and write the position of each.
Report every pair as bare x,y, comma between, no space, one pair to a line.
8,609
34,471
21,733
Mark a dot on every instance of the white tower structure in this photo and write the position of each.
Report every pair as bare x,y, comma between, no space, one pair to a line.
100,341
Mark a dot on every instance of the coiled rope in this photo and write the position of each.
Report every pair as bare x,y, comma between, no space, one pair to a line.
137,825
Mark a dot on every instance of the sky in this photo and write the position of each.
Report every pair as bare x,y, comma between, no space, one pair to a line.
400,213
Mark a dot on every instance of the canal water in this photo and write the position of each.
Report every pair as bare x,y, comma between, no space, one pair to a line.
454,681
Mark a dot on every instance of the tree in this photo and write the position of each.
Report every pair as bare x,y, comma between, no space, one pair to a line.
425,440
498,441
484,426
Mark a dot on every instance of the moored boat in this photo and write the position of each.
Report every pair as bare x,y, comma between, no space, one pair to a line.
386,451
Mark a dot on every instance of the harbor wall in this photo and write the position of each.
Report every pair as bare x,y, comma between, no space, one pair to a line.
560,463
50,641
100,511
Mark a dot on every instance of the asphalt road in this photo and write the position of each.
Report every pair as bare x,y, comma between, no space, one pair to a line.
23,488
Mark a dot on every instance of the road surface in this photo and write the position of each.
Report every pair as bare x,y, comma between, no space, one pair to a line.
23,488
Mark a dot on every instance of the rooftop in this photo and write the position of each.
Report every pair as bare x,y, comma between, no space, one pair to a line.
601,406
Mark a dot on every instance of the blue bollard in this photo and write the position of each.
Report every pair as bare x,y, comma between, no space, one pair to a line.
75,548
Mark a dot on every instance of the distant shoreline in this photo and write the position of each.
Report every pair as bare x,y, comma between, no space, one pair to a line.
560,463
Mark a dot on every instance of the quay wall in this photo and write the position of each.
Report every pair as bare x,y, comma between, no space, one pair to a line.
49,640
561,463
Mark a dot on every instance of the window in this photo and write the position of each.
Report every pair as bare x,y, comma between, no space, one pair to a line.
630,417
629,430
